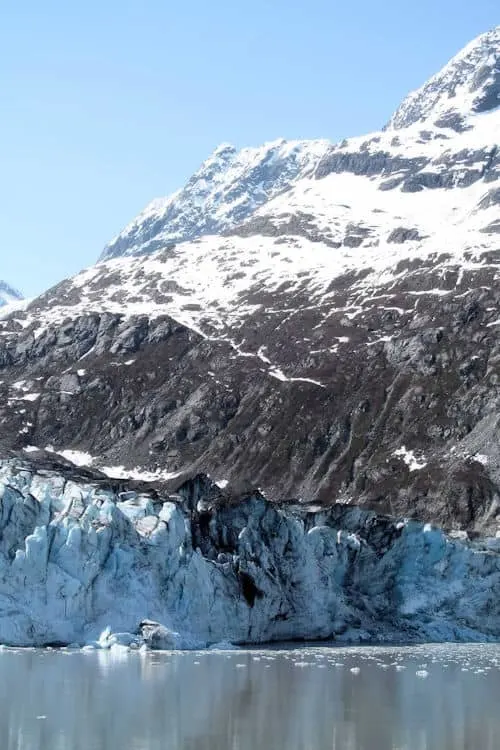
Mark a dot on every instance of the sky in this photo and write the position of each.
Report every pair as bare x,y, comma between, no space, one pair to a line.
107,104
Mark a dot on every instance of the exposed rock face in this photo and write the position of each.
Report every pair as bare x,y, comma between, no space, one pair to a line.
78,556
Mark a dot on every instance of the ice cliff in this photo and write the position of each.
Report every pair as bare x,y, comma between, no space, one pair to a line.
79,555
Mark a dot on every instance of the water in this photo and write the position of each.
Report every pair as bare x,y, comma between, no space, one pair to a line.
425,698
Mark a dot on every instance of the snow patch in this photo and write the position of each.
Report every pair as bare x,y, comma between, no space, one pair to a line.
410,459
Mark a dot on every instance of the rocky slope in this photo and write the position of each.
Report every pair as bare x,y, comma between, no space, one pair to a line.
334,344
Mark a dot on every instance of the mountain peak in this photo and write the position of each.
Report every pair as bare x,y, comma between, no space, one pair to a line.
229,186
468,84
8,294
224,149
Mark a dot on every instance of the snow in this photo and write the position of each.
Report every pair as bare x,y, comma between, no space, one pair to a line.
120,472
9,296
410,459
455,87
204,271
79,458
481,458
82,458
278,374
214,283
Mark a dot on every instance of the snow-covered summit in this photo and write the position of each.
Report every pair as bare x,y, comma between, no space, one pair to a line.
467,85
233,186
226,189
8,294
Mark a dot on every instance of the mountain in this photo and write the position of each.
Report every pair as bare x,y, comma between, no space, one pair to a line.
227,188
318,325
468,85
8,294
231,185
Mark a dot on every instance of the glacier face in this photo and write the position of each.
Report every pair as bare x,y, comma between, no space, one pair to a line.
79,557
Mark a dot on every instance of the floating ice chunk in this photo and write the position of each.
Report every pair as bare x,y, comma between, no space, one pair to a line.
422,673
223,646
104,640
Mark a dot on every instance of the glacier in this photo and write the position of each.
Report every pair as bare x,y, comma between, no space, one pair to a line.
84,560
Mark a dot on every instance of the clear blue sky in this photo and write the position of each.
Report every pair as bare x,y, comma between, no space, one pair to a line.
107,104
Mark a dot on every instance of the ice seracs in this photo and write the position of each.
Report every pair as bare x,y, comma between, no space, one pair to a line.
83,562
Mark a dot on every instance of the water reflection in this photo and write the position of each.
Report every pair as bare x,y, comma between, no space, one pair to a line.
299,700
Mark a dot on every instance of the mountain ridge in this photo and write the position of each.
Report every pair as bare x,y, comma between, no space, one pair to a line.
227,187
471,78
468,84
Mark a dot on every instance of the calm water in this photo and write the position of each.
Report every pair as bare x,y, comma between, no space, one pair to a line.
304,699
